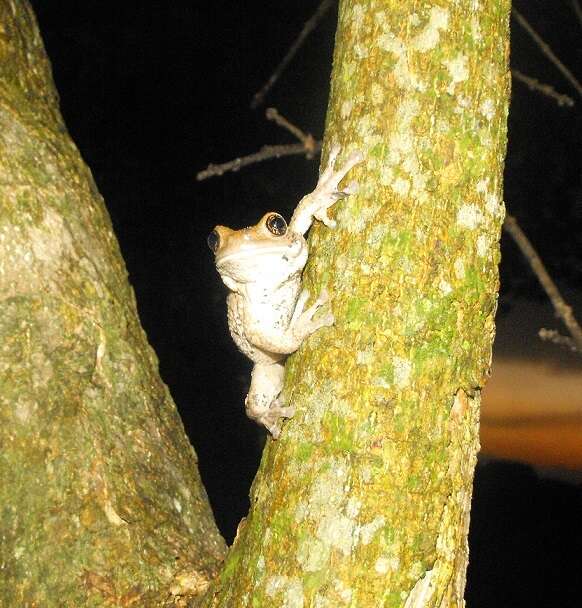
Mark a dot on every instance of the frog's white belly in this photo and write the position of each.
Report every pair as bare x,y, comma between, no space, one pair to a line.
261,312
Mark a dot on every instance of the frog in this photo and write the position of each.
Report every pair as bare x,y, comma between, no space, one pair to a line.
267,310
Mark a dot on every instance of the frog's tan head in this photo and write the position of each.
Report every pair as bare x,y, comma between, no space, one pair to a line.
266,249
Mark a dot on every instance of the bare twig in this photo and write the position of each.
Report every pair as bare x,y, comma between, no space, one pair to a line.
306,139
547,51
265,153
308,145
562,309
309,26
545,89
273,114
551,335
577,9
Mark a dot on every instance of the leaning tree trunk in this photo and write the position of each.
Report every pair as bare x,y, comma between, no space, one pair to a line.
101,501
365,499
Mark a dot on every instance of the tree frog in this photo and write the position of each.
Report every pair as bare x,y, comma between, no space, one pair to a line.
267,315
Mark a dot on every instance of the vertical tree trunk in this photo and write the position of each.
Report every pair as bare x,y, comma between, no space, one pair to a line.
365,498
101,501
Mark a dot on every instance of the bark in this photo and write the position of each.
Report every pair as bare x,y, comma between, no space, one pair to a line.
365,498
101,499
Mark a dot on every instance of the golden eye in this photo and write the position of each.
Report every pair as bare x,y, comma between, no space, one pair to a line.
213,241
276,224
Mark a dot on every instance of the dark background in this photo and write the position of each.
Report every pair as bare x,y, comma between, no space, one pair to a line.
152,93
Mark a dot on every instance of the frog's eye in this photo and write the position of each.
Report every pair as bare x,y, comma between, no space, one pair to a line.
213,241
276,224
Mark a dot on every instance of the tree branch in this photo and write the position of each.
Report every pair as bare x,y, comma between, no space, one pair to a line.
309,26
308,145
563,310
265,153
551,335
305,138
545,89
577,10
546,50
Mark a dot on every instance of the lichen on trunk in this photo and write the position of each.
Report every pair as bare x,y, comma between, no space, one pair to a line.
100,495
365,498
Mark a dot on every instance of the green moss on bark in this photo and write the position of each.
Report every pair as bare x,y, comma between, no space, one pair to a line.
101,501
364,500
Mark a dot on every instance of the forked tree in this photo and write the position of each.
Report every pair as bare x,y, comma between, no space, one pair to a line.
364,499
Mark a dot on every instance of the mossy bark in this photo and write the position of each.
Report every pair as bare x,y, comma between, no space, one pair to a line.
101,501
364,500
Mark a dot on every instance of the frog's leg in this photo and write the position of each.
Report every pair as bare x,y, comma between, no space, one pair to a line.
262,403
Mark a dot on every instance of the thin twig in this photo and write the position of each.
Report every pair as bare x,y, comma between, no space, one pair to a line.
577,9
545,89
309,26
562,309
265,153
306,139
307,145
551,335
547,51
273,114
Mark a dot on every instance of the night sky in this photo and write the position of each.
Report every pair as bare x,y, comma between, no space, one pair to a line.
153,92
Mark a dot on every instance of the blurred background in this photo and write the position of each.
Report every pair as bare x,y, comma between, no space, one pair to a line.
153,92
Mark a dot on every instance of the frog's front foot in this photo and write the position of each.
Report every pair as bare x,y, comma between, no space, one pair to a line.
327,191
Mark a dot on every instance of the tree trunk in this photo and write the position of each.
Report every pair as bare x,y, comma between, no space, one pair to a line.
101,499
365,498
